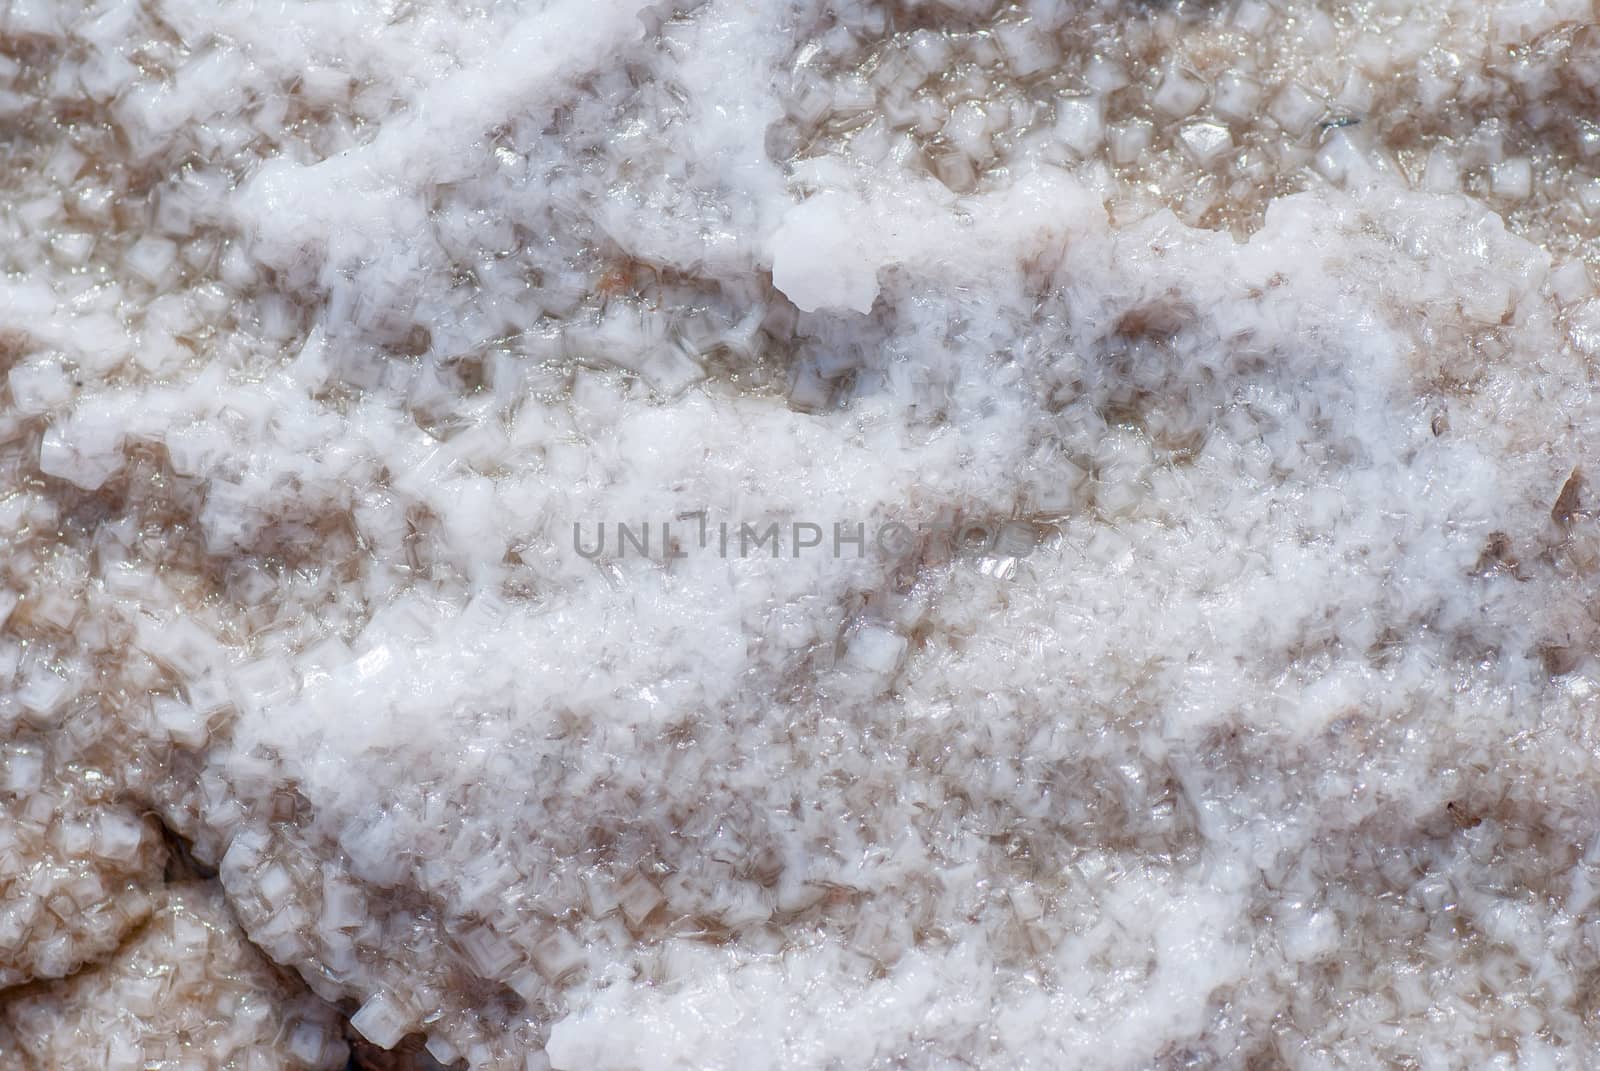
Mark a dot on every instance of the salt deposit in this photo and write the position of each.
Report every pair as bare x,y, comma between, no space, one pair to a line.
185,992
1260,334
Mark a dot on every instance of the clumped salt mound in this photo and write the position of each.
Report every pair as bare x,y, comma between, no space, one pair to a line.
75,876
185,992
1263,330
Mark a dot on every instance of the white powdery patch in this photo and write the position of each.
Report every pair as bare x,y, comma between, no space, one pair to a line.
1264,737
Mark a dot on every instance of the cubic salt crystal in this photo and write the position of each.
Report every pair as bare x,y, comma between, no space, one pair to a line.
441,1049
72,248
1513,179
55,609
1441,173
876,649
23,770
181,722
55,956
1253,16
275,885
490,954
309,1044
37,387
1079,125
42,691
1028,52
259,685
1570,283
1129,142
381,1021
75,835
1295,109
1206,142
1238,97
969,130
638,897
558,955
1179,95
14,930
181,644
1342,159
809,392
118,837
152,259
243,853
930,51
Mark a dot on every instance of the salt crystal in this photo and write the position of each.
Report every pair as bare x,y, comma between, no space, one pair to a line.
809,392
1179,95
490,954
1079,125
1028,51
39,386
1442,173
930,51
818,258
381,1021
14,930
1205,142
638,898
1253,16
1130,141
445,284
118,837
441,1049
152,259
1570,283
968,129
182,723
182,644
259,685
558,955
23,770
72,248
876,649
1295,109
310,1044
1512,179
275,885
1238,98
244,852
75,834
42,691
80,451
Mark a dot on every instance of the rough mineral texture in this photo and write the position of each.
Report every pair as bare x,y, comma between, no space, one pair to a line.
184,993
11,1054
1212,678
75,877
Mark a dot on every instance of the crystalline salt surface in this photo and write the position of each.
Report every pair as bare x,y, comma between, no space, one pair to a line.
1270,326
186,987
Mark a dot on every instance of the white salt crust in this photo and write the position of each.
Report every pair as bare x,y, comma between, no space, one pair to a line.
1271,322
